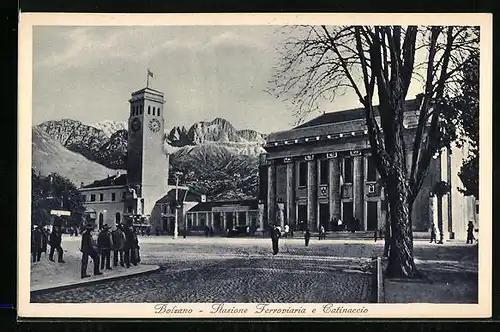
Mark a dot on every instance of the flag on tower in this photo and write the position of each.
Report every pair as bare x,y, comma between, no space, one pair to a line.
150,73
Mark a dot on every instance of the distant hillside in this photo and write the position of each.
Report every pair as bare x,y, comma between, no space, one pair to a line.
50,156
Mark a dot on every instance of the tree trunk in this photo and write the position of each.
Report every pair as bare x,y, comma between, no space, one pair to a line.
440,218
401,262
387,232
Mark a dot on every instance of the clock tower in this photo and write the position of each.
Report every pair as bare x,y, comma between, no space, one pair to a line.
147,161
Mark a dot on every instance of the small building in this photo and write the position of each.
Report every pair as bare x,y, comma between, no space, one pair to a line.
225,215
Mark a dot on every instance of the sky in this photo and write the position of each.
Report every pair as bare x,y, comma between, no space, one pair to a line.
88,73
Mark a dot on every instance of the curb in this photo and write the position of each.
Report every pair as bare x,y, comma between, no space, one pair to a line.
380,281
92,282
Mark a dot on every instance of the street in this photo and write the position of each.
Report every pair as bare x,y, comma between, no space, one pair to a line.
199,269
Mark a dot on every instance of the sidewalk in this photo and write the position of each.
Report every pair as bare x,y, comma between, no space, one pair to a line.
443,282
47,275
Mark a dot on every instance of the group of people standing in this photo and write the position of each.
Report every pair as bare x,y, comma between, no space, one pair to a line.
41,238
122,241
276,234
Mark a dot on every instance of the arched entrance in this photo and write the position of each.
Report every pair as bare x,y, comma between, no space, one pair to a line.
101,220
118,217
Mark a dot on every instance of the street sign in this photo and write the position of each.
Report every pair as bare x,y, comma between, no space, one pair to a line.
60,213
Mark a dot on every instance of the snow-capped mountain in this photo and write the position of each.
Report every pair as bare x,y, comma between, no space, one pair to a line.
110,127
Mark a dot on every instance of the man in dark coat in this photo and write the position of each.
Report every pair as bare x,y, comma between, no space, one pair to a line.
118,245
55,244
134,252
104,243
88,249
307,237
470,233
127,248
275,236
45,239
36,243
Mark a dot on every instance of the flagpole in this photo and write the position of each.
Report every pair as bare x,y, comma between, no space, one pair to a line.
147,79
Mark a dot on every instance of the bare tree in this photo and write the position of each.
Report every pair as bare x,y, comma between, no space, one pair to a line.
380,62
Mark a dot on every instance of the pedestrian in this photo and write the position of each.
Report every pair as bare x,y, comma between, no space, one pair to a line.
134,254
36,243
55,244
470,232
207,230
148,231
104,244
433,233
340,227
157,231
45,239
275,235
127,248
118,238
287,230
291,230
302,226
211,231
322,232
307,237
89,249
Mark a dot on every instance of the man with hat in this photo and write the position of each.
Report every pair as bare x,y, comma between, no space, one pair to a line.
104,243
118,245
36,243
88,249
55,244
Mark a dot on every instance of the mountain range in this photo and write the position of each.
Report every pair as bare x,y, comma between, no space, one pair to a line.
216,158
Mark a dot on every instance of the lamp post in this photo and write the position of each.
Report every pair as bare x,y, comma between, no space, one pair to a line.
176,226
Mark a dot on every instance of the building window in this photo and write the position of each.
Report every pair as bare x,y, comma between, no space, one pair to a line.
477,208
303,174
323,171
113,197
101,197
347,170
84,198
158,111
371,170
92,197
149,109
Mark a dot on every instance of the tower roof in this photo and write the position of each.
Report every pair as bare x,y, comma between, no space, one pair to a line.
148,93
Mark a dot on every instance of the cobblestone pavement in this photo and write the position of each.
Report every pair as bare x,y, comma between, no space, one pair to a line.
240,279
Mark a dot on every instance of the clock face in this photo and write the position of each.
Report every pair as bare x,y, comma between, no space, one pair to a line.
154,125
136,124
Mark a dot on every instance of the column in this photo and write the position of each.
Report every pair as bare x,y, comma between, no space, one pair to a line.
280,215
223,214
290,196
358,188
318,183
247,219
334,187
237,218
311,193
261,217
212,219
271,194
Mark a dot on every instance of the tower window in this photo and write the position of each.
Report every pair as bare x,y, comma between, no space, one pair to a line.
149,109
154,110
158,111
